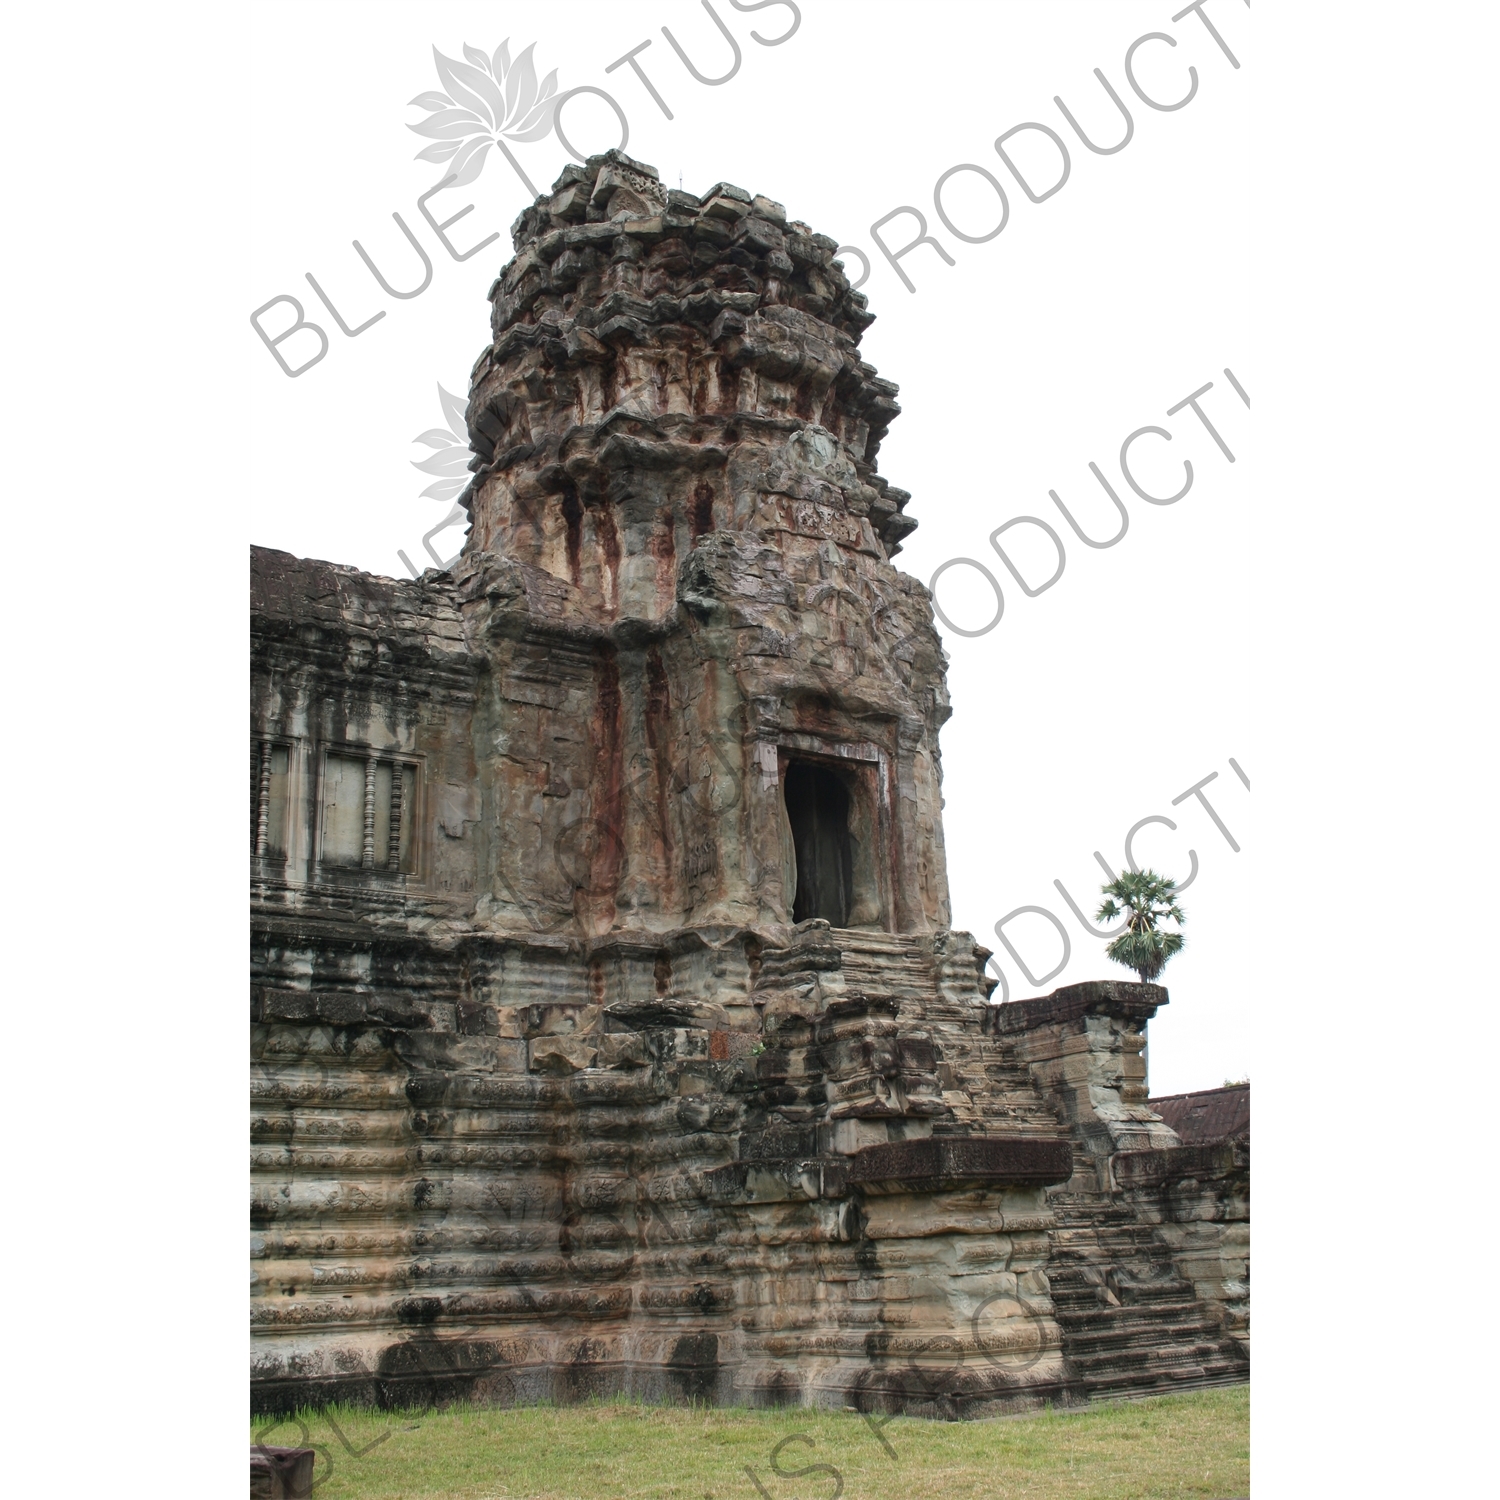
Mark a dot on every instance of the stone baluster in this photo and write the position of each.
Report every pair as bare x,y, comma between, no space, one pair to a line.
263,800
393,860
368,861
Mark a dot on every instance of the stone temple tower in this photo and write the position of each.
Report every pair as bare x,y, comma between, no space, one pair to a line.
682,542
609,1032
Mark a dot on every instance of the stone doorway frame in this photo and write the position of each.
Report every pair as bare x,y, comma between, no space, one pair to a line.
866,769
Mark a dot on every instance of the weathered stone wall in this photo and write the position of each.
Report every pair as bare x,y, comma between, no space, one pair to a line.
552,1096
1150,1267
1198,1196
1085,1045
548,1199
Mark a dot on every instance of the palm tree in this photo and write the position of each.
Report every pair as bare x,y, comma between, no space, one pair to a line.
1145,898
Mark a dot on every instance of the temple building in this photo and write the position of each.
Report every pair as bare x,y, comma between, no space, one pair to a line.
609,1034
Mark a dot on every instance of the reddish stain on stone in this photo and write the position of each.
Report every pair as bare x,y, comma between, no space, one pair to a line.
609,541
659,737
729,389
610,816
664,550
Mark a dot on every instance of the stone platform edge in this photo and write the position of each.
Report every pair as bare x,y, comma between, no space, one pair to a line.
1120,998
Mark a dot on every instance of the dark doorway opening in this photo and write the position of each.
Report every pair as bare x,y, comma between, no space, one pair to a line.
817,804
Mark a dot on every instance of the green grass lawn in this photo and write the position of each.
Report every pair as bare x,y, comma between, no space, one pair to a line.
1192,1444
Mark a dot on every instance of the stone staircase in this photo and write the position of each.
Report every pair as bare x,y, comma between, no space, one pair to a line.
1131,1325
986,1089
885,963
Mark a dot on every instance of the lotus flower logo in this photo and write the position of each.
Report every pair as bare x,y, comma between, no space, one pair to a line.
488,98
450,462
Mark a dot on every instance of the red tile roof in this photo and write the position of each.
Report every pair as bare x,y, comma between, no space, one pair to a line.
1207,1116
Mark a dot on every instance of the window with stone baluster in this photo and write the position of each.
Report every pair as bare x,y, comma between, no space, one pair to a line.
270,764
367,811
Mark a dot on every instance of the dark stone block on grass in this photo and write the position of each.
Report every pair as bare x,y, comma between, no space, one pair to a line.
280,1473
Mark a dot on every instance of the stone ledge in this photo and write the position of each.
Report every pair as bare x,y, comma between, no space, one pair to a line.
938,1162
777,1180
1095,997
334,1009
1178,1163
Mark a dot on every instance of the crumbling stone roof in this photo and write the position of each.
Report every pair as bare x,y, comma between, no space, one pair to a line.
616,278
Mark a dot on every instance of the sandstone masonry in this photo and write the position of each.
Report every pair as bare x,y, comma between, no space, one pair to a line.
608,1031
